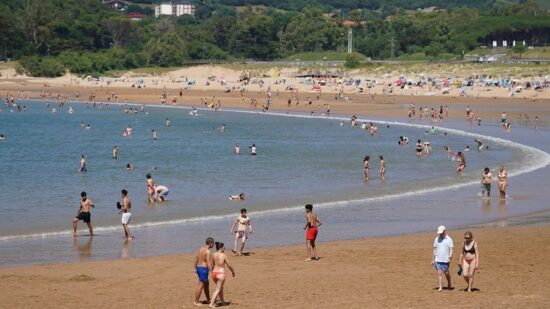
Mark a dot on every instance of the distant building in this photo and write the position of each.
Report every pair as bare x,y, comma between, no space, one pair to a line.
116,4
351,23
330,15
135,16
175,8
431,9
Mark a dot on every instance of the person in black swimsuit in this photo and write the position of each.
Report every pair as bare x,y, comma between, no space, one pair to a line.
419,147
469,259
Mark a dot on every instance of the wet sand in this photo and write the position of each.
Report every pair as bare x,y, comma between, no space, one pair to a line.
392,272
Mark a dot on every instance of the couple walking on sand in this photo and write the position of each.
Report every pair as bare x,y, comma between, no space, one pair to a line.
205,261
468,262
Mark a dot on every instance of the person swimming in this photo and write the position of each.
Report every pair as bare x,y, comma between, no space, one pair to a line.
403,140
479,144
237,197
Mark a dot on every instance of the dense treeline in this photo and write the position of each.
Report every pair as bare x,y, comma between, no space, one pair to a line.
49,37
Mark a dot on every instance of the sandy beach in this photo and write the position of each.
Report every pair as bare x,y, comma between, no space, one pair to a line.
392,272
383,98
389,272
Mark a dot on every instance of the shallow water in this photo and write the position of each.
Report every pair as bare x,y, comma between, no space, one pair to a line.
300,160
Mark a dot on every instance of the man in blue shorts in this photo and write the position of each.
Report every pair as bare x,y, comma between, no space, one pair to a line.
201,268
442,254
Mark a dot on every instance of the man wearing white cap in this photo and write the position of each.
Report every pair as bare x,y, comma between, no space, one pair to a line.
442,254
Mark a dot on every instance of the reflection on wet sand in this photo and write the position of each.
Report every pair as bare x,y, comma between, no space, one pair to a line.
502,207
486,206
126,253
84,248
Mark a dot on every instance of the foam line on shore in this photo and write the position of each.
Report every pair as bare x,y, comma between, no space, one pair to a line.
538,160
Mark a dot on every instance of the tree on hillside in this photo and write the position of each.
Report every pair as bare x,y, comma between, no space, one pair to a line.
33,30
168,50
519,49
119,28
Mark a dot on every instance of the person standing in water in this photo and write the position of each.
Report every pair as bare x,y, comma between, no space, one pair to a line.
126,213
502,181
366,167
312,225
427,147
237,149
115,152
154,132
486,180
419,148
83,166
244,227
219,262
150,188
382,169
201,267
83,213
252,150
460,163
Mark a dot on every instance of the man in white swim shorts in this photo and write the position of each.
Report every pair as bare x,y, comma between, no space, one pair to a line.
125,211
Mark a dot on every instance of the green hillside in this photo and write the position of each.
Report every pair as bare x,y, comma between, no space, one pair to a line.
50,37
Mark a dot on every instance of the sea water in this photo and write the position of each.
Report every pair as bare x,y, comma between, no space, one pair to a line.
300,159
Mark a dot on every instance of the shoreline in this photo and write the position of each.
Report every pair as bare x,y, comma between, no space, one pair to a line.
335,204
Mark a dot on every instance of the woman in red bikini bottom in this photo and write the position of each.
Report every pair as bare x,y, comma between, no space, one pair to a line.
219,261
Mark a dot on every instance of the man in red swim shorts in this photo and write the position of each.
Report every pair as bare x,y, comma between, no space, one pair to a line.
312,224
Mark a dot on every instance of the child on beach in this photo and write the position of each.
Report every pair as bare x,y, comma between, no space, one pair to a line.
244,227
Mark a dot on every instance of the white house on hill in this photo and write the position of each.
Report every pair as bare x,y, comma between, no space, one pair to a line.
175,8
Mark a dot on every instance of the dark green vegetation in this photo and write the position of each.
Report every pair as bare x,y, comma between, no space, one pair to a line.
49,37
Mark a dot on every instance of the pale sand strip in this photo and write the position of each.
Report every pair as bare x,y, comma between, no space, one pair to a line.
361,104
